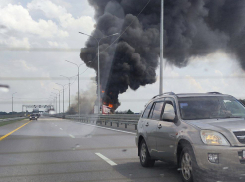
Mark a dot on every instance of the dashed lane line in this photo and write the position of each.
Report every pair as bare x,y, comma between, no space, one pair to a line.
106,159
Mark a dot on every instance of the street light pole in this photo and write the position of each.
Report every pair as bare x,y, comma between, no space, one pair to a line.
69,78
99,77
161,48
63,96
78,94
78,80
13,102
59,98
98,41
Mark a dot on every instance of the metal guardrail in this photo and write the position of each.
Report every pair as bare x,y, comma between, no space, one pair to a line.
11,119
10,116
126,119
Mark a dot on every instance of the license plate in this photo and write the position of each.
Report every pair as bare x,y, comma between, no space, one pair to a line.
243,154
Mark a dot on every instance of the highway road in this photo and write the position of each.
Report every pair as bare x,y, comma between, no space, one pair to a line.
52,149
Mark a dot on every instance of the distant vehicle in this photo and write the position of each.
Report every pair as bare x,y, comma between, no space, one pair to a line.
51,112
33,117
197,132
35,110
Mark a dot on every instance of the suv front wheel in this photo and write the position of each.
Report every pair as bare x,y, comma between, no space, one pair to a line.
145,158
187,164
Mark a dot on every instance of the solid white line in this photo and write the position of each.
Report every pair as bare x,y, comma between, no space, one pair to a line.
61,129
72,136
106,159
109,129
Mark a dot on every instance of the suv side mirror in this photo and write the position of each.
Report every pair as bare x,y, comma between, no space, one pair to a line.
168,116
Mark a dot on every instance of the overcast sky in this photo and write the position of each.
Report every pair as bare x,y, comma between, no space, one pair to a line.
36,37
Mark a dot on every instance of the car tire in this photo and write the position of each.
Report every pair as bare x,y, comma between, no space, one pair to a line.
188,164
145,158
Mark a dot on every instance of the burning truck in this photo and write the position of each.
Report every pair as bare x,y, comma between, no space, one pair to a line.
104,109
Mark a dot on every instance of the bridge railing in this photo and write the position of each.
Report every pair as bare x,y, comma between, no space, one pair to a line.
118,119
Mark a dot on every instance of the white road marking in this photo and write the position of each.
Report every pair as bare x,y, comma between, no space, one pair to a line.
72,136
106,159
109,128
61,129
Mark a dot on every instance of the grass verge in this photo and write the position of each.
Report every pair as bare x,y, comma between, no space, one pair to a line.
9,122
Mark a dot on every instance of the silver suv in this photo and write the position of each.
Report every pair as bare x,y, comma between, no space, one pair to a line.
201,133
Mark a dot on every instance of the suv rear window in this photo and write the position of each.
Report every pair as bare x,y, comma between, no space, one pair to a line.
157,110
147,110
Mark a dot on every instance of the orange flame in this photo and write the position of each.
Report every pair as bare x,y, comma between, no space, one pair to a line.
103,91
110,105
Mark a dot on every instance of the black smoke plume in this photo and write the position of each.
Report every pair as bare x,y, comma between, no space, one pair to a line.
191,28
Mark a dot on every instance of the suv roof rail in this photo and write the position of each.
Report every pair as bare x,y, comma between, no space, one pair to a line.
169,93
214,93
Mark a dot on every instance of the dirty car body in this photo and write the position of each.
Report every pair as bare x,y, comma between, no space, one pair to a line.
211,125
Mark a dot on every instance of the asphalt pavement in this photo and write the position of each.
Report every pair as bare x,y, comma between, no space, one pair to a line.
57,150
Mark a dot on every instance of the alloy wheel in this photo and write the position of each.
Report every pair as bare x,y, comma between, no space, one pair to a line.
186,166
143,152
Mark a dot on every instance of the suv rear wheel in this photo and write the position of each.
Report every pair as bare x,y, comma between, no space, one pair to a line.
145,158
187,164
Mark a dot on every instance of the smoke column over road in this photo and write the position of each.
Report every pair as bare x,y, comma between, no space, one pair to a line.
191,28
87,99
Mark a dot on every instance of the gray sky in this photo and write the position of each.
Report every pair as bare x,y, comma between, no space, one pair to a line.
42,26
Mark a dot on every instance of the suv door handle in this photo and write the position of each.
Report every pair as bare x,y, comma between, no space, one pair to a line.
159,126
147,124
